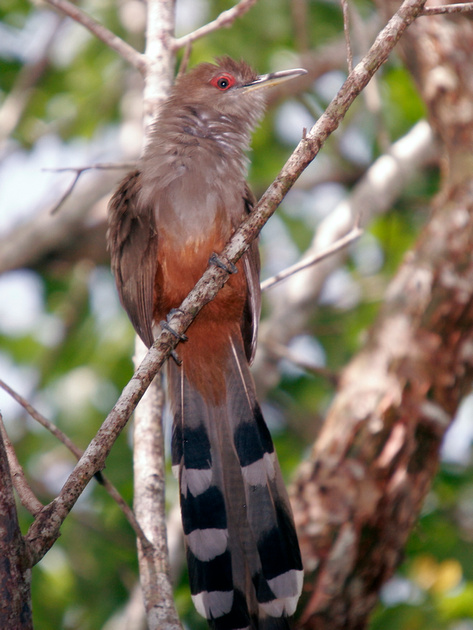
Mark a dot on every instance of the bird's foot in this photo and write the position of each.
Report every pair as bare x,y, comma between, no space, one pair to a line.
165,325
229,267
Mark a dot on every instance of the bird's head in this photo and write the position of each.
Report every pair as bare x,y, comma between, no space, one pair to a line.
231,88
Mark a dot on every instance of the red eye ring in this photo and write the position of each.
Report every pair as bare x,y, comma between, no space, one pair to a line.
223,81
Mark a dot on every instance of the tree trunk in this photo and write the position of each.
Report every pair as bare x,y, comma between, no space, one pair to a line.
15,584
359,494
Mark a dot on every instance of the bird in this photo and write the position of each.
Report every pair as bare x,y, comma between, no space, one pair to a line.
167,219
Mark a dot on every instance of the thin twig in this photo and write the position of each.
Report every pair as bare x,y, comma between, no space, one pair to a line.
346,31
185,59
136,59
67,192
460,7
224,20
77,452
352,235
26,495
99,166
78,172
42,420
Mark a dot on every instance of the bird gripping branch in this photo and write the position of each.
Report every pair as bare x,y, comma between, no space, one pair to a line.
167,219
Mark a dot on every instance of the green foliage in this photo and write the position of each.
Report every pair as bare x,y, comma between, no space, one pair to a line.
402,104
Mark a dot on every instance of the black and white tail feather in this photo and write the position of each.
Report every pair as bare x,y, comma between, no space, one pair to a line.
244,562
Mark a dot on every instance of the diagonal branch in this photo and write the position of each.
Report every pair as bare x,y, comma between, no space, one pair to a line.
42,420
79,170
45,530
309,261
24,491
224,20
136,59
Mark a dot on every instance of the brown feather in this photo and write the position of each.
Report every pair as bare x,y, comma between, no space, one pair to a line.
133,244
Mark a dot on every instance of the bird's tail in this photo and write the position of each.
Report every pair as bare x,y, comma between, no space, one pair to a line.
244,562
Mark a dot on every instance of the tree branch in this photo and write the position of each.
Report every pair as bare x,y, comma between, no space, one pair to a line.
114,42
360,492
23,489
461,7
224,20
79,170
26,495
346,31
312,260
150,507
160,57
148,443
15,595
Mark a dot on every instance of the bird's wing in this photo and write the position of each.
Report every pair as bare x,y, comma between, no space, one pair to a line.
133,243
252,311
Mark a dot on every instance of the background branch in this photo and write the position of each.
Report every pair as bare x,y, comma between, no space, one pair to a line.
310,261
132,56
21,485
461,7
52,246
224,20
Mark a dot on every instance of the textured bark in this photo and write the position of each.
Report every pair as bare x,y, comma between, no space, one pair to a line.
15,595
149,503
360,492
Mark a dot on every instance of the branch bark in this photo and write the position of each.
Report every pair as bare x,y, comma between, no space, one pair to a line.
148,443
150,507
224,20
15,593
114,42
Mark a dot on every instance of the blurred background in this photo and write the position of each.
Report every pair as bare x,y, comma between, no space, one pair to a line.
67,101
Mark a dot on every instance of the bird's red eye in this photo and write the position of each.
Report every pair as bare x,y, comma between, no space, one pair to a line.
223,81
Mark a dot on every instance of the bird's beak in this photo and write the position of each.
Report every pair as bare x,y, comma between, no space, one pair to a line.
273,78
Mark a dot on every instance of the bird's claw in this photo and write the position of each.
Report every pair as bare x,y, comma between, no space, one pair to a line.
229,267
165,326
